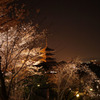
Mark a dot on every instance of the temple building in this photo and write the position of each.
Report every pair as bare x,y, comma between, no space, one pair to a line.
47,61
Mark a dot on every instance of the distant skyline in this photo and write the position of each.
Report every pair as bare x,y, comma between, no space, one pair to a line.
74,27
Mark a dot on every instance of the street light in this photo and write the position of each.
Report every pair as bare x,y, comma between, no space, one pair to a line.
77,95
91,89
38,85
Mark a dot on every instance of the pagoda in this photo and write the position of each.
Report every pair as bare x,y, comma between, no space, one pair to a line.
47,61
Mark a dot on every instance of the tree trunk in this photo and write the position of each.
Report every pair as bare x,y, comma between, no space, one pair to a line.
3,92
47,94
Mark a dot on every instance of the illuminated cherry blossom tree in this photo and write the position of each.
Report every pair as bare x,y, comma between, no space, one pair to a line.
20,45
74,80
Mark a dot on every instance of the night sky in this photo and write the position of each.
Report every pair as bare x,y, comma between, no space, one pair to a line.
73,26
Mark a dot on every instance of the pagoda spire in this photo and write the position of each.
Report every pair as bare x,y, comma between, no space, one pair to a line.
46,43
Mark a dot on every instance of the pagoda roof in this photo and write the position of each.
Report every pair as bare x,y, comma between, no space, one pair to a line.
50,58
49,49
47,64
49,54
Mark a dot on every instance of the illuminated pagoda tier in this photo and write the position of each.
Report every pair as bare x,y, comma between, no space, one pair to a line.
47,60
